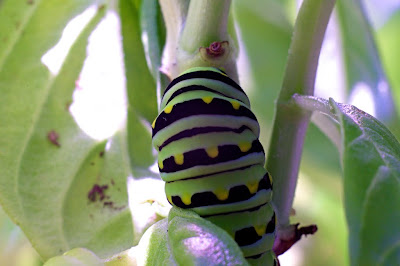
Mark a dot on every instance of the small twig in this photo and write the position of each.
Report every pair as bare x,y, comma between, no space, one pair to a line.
293,234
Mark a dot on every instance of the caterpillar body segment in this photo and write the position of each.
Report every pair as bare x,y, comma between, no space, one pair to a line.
212,160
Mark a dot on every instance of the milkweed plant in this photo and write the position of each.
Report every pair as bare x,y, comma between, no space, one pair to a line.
335,168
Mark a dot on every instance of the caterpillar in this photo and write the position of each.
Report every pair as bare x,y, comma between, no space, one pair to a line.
212,161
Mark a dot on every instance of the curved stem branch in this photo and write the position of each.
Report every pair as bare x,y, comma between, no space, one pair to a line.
291,122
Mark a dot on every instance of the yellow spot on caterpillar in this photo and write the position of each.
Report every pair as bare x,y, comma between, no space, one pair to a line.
168,109
212,152
270,178
222,194
178,159
235,105
260,229
160,164
207,99
186,199
154,123
244,146
253,187
169,198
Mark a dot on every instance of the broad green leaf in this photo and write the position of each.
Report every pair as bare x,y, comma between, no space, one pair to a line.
25,82
15,16
48,166
97,201
141,89
76,257
371,166
362,62
187,239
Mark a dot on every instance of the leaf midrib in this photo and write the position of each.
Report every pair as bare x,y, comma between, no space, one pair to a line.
18,33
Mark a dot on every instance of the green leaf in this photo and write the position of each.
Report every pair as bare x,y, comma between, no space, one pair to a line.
141,89
140,84
24,89
362,62
76,257
48,166
97,201
153,35
371,166
187,239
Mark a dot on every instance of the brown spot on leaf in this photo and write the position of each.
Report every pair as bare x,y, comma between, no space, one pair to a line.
52,136
97,193
30,2
101,154
108,203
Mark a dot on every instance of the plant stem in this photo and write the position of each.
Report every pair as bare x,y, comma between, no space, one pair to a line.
174,13
198,24
291,122
206,23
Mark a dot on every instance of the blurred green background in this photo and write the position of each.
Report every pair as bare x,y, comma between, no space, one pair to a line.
264,36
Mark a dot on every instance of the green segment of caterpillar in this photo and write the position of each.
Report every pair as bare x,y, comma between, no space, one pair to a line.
212,161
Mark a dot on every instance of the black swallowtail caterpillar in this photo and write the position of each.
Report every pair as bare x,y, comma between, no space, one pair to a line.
212,161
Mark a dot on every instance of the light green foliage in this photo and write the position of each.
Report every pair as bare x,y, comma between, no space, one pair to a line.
187,239
371,165
371,168
75,257
142,104
44,187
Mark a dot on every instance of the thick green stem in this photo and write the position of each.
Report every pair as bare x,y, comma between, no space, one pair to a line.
291,122
207,22
201,23
174,12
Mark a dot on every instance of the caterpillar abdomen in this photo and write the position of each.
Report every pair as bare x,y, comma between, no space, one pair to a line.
212,161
